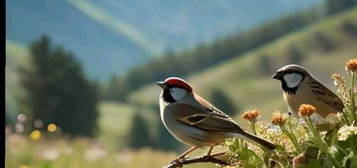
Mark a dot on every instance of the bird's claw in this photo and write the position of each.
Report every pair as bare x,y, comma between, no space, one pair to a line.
207,157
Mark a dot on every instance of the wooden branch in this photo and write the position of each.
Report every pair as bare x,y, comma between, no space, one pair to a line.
199,159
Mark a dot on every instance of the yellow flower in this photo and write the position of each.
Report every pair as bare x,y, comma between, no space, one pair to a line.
35,135
351,66
251,115
306,110
279,118
52,127
24,166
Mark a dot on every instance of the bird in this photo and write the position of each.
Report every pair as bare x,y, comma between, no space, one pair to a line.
194,121
301,87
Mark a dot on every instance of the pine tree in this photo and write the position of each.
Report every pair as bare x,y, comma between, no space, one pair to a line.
295,55
222,101
139,135
57,90
165,140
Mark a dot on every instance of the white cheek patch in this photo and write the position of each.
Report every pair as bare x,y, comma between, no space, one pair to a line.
178,93
293,79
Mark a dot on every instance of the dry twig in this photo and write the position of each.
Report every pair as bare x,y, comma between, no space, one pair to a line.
199,159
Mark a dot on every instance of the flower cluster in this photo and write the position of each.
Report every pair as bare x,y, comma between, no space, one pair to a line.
279,118
251,115
351,66
306,110
331,143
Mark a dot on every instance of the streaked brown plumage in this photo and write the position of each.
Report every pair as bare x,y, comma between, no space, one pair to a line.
194,121
307,91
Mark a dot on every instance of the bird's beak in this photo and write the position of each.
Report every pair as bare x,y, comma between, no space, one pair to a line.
277,76
162,84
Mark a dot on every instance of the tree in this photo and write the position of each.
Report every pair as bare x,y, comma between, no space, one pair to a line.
222,101
266,66
295,55
57,90
324,42
335,6
165,141
139,135
350,28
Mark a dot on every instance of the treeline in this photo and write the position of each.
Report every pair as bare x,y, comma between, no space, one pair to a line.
205,55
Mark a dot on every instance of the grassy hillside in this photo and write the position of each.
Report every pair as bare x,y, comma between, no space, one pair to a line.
248,87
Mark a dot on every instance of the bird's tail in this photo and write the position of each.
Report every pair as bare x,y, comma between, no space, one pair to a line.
258,140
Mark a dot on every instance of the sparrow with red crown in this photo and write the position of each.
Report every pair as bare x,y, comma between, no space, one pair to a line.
194,121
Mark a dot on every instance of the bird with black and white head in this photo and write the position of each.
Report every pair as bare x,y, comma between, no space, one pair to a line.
300,87
194,121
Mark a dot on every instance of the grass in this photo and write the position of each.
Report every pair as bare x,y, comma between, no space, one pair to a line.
114,122
22,152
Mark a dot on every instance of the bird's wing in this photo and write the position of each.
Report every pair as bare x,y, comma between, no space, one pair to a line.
210,108
203,119
326,95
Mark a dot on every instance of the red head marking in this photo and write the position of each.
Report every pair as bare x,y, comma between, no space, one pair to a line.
178,82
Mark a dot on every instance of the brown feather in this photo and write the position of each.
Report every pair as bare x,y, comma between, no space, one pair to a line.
326,95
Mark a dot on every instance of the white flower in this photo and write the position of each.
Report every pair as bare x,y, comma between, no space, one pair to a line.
67,151
124,157
19,128
95,154
50,154
346,131
22,118
273,128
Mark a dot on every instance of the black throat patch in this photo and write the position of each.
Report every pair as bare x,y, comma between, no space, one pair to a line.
167,96
286,88
290,91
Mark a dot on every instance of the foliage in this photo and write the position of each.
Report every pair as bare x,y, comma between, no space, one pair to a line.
57,91
223,102
307,145
139,135
266,65
294,55
325,43
350,28
335,6
164,140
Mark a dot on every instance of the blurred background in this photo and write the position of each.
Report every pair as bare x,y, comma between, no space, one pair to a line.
80,74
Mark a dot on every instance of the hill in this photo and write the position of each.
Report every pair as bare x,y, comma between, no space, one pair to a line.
112,36
250,87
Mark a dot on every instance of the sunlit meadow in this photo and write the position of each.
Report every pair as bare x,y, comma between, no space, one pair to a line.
300,142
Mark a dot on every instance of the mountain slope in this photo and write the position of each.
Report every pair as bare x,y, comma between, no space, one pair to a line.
112,36
250,87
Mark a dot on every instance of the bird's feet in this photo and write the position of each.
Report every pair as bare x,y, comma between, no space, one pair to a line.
207,157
